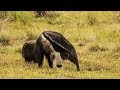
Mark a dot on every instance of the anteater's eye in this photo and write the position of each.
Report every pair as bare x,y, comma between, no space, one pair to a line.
52,56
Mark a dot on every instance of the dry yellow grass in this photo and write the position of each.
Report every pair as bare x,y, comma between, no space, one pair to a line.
95,35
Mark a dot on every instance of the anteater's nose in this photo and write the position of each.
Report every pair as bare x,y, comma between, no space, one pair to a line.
59,66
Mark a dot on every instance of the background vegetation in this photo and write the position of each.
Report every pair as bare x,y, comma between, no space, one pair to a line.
94,34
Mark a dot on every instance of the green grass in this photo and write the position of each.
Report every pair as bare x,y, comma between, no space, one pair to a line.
95,36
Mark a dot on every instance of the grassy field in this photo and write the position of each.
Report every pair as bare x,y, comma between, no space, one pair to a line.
95,36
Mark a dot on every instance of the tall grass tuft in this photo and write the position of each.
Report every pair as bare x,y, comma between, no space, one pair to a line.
91,19
4,39
96,47
18,49
21,16
31,35
47,13
3,14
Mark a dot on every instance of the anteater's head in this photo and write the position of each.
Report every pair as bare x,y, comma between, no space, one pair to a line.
56,59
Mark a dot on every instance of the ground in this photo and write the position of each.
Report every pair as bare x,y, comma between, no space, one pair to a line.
95,36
